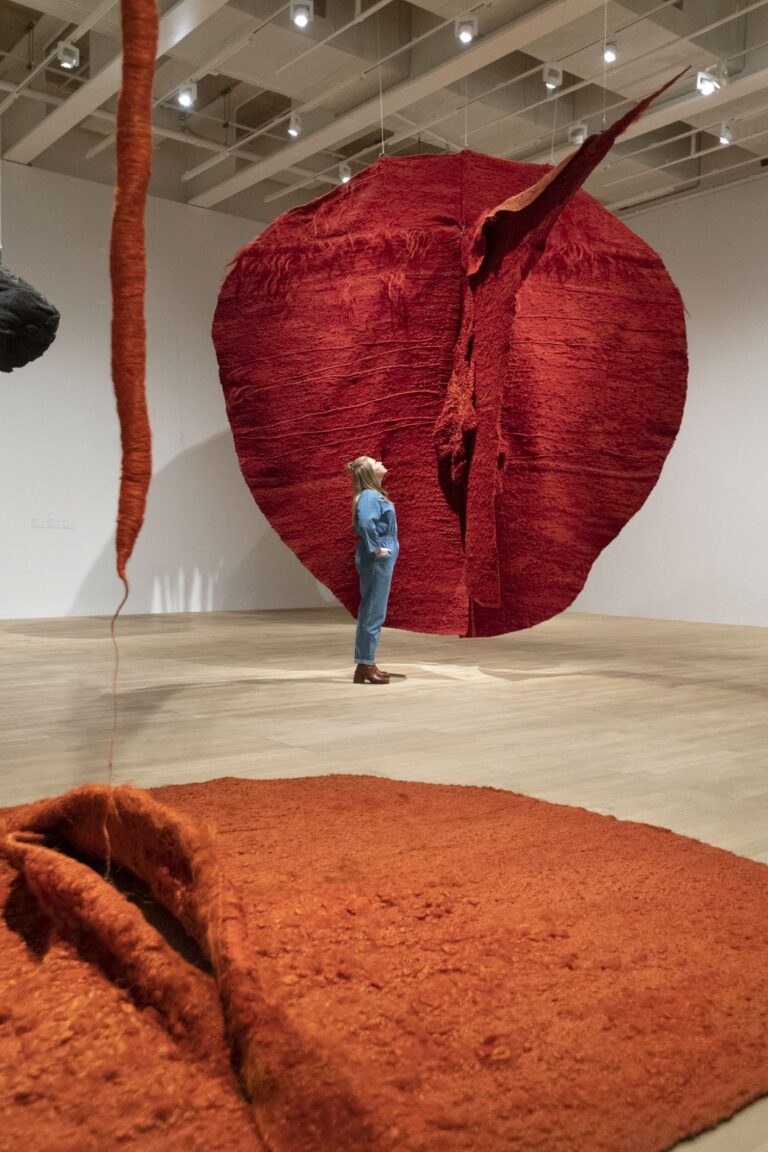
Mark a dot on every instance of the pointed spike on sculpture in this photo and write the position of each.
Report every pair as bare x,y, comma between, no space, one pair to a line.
570,174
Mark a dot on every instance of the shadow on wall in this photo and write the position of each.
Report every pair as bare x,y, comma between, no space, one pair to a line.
204,547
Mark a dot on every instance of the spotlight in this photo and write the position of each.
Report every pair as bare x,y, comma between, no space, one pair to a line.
301,12
610,52
707,83
294,125
553,76
187,94
577,133
726,132
345,173
68,55
466,28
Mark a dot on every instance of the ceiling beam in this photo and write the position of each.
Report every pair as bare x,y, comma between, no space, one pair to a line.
45,29
102,121
177,23
72,12
486,50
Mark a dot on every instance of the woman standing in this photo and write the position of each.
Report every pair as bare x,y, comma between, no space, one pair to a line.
375,556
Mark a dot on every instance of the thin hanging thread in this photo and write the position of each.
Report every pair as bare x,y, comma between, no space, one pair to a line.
466,111
115,677
1,191
605,62
554,129
113,735
381,93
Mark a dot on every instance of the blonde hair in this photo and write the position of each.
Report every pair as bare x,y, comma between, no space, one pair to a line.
363,476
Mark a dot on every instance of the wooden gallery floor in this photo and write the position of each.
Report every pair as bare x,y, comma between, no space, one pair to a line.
649,720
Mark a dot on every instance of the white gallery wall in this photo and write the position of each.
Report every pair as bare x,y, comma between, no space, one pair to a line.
698,549
204,544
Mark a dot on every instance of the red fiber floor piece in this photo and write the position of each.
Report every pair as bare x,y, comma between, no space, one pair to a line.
524,408
398,967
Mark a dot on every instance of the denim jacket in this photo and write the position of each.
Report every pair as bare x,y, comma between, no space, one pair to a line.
375,521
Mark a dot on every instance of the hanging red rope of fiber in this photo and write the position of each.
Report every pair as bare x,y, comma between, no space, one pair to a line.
128,269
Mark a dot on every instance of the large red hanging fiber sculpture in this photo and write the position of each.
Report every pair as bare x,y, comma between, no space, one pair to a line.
510,349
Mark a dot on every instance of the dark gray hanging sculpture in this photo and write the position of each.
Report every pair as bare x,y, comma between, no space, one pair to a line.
28,323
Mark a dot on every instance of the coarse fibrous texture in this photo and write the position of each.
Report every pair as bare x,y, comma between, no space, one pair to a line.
510,349
396,968
128,267
28,323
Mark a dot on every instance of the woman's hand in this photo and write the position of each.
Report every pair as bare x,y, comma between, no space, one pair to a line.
381,552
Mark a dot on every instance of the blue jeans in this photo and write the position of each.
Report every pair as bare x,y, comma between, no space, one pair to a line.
375,582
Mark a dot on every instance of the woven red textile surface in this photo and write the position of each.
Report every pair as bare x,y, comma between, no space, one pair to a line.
524,411
400,966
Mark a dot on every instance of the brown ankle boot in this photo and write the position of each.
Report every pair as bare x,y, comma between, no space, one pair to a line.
369,673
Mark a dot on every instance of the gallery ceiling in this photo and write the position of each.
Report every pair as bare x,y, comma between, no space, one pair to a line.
363,77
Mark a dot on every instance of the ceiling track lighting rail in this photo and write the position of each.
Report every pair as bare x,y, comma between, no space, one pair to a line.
344,85
637,201
418,129
103,116
683,136
696,155
585,83
357,19
229,49
543,140
85,26
317,101
715,124
299,185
